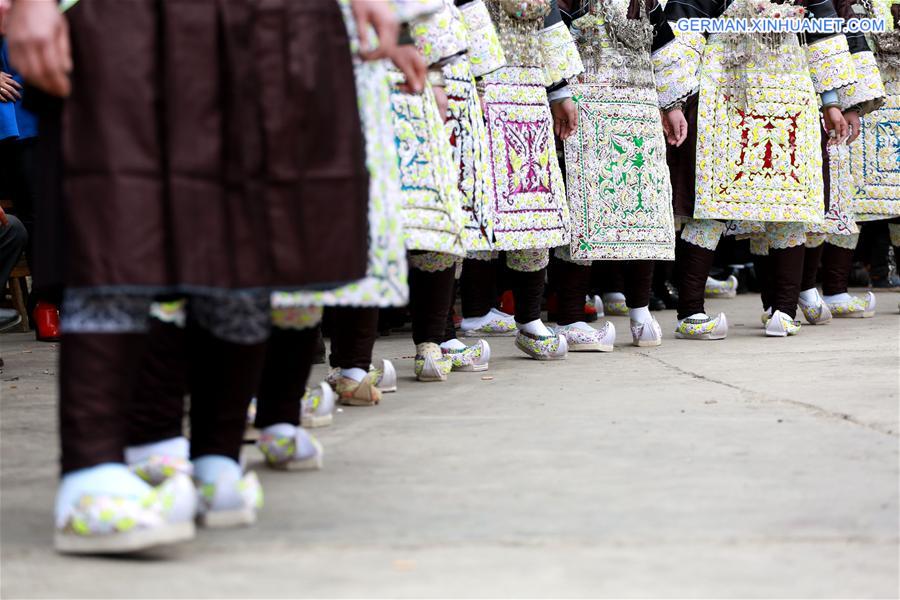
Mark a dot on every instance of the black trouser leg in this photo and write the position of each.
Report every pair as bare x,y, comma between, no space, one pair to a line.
694,264
572,284
96,378
223,377
528,290
787,273
762,265
157,405
837,263
638,281
811,260
288,361
478,287
353,337
429,303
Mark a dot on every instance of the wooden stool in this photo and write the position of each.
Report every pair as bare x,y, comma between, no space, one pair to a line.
18,292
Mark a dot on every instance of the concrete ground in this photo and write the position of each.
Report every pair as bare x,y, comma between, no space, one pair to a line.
750,467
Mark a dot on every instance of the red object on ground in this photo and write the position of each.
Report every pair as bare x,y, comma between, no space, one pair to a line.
46,322
507,304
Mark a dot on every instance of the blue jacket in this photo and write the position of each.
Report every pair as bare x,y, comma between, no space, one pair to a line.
15,121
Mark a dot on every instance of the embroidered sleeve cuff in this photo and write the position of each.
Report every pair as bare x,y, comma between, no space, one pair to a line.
676,67
409,10
868,92
440,36
560,54
830,64
485,51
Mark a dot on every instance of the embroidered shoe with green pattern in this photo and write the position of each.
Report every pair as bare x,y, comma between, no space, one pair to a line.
614,305
290,448
103,523
816,312
431,363
542,347
383,372
471,358
853,307
494,323
581,337
317,406
782,325
702,327
716,288
358,393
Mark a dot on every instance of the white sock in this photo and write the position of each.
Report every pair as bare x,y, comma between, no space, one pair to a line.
177,447
838,298
614,297
476,322
640,315
810,296
699,316
499,312
355,374
208,469
107,479
581,325
535,327
453,344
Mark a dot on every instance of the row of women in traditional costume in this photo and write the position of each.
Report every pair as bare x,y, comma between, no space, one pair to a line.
206,232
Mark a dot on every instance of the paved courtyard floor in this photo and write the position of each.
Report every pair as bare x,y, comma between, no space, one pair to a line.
749,467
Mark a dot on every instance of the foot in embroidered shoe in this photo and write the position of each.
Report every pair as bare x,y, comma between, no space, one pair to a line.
645,333
702,327
614,304
813,307
431,363
494,323
474,358
358,393
290,448
765,316
845,306
317,406
716,288
108,510
782,325
581,337
385,376
227,497
159,461
542,347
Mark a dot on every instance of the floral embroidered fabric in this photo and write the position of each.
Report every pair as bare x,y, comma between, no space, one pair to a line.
468,137
875,155
297,317
830,64
868,86
839,220
485,52
758,148
432,203
530,208
432,262
528,261
620,196
561,57
441,35
677,68
703,233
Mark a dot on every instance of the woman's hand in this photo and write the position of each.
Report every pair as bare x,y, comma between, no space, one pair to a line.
38,38
854,124
565,118
408,59
10,89
835,125
440,98
675,127
378,15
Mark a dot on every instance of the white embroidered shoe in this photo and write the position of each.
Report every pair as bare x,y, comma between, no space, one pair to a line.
542,347
647,334
473,358
581,337
431,363
317,406
857,308
816,313
702,327
494,323
721,289
781,325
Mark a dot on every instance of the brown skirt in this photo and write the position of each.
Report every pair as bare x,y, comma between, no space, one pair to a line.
682,163
212,144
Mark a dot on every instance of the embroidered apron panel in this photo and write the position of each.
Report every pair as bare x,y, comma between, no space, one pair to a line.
875,158
530,208
758,146
620,197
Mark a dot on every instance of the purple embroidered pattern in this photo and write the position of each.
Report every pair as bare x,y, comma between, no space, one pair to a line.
526,164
